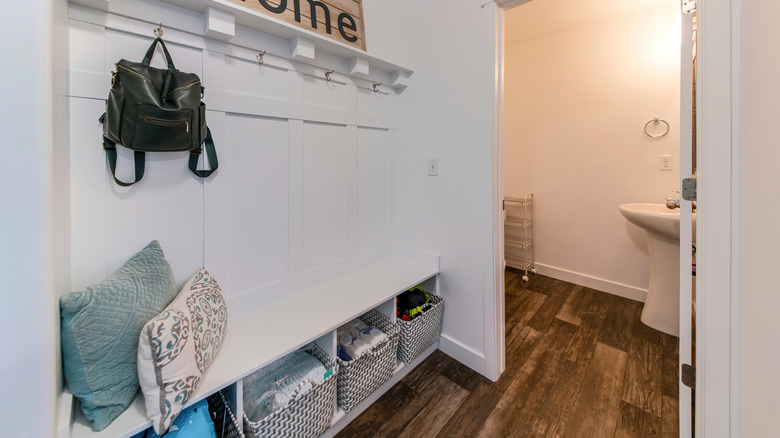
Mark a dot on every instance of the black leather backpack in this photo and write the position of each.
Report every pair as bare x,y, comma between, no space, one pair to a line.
156,110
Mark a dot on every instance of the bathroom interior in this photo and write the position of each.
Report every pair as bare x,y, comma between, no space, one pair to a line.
591,127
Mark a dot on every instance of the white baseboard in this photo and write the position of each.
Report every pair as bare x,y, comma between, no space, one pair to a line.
462,353
619,289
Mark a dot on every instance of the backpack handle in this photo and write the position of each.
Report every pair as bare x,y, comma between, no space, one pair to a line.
150,53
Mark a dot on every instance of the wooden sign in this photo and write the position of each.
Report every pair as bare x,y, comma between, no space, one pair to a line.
340,20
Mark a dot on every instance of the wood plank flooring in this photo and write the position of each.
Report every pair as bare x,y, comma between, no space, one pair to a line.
579,364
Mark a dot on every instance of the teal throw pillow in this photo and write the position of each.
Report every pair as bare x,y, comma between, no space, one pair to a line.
100,329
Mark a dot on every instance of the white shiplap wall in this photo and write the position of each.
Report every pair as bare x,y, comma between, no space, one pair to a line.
305,186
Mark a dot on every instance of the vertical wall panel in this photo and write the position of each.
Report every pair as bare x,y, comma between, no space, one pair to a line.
213,72
296,196
88,193
252,79
87,35
324,195
166,205
351,176
247,205
320,92
371,102
373,189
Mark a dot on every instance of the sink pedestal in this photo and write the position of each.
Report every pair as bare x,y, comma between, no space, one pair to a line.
662,307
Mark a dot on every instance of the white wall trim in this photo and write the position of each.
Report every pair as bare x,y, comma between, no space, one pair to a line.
686,228
612,287
493,280
715,228
463,353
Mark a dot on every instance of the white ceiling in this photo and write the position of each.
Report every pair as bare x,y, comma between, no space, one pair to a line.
543,17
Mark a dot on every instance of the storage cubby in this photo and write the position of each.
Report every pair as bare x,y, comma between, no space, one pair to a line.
309,410
361,376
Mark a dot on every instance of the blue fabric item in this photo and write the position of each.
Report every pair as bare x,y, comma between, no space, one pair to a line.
100,329
193,422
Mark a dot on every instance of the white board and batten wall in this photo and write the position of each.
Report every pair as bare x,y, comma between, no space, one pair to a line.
305,190
305,186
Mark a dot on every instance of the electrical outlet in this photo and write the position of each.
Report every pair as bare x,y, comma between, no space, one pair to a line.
433,167
664,162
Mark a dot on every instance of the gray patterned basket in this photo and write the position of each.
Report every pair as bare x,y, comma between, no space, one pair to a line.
360,377
421,332
307,415
225,423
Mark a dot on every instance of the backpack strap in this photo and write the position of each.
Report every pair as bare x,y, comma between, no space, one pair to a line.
140,158
150,53
211,153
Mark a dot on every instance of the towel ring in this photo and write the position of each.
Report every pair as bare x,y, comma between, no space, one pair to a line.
656,122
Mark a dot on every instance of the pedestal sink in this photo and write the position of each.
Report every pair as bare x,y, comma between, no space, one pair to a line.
662,228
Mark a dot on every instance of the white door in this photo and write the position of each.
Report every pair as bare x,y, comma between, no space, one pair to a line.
687,56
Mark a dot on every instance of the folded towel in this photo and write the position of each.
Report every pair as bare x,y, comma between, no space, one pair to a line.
356,337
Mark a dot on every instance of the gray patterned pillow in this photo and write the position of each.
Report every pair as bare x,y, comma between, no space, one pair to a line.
178,345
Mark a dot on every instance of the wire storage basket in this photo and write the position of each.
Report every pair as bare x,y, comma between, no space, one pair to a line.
359,377
225,423
421,332
306,415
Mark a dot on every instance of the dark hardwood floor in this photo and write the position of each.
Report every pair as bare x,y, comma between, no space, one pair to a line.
579,363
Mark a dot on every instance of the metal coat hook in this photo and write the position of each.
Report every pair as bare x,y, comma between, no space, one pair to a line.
328,73
260,57
376,87
158,32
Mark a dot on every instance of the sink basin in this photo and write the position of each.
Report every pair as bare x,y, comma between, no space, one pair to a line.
662,230
656,218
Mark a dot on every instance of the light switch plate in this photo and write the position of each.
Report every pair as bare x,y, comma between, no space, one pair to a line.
433,167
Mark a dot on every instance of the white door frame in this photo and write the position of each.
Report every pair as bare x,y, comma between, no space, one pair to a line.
686,230
716,232
718,59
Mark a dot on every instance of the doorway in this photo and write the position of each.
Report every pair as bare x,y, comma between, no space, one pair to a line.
582,158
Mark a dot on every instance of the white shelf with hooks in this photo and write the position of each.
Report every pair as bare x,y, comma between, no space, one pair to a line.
228,22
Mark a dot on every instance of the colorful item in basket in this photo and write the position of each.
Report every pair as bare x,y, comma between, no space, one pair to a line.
271,388
412,303
355,338
193,422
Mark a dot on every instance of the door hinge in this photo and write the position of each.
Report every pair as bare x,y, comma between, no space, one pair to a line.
688,6
688,376
689,189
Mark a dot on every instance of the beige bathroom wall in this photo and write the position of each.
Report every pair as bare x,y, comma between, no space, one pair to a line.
575,106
